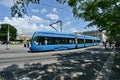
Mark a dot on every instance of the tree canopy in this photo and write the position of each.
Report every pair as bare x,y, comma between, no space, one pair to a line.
19,7
105,14
4,31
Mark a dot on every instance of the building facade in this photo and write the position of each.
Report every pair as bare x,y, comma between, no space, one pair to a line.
95,33
23,37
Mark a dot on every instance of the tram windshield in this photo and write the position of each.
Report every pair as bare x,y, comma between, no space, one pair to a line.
39,40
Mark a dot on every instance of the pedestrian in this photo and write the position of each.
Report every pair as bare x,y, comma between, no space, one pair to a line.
117,45
105,44
110,44
27,43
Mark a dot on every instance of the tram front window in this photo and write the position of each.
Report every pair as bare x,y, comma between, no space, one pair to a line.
39,40
36,40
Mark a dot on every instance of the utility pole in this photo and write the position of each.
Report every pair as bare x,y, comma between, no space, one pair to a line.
8,34
8,38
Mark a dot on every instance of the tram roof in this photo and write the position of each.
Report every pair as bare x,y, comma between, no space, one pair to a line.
54,34
63,34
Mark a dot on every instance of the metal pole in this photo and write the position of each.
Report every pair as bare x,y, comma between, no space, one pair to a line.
61,29
8,38
84,41
61,24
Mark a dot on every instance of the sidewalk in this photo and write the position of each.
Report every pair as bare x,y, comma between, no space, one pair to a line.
115,71
111,68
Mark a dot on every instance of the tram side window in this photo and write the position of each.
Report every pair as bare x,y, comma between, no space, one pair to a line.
66,41
53,40
60,41
57,41
63,41
46,41
98,41
50,40
80,41
39,40
71,41
42,40
89,41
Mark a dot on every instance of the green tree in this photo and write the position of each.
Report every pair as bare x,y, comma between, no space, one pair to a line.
4,32
102,13
19,7
105,14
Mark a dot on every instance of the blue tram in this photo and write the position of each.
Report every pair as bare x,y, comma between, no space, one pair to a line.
44,41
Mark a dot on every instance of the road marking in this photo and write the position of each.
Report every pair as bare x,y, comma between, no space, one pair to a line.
105,72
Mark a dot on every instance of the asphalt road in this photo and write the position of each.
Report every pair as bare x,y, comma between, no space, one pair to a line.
18,54
95,62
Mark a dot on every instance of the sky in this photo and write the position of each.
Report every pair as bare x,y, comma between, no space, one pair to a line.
40,16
